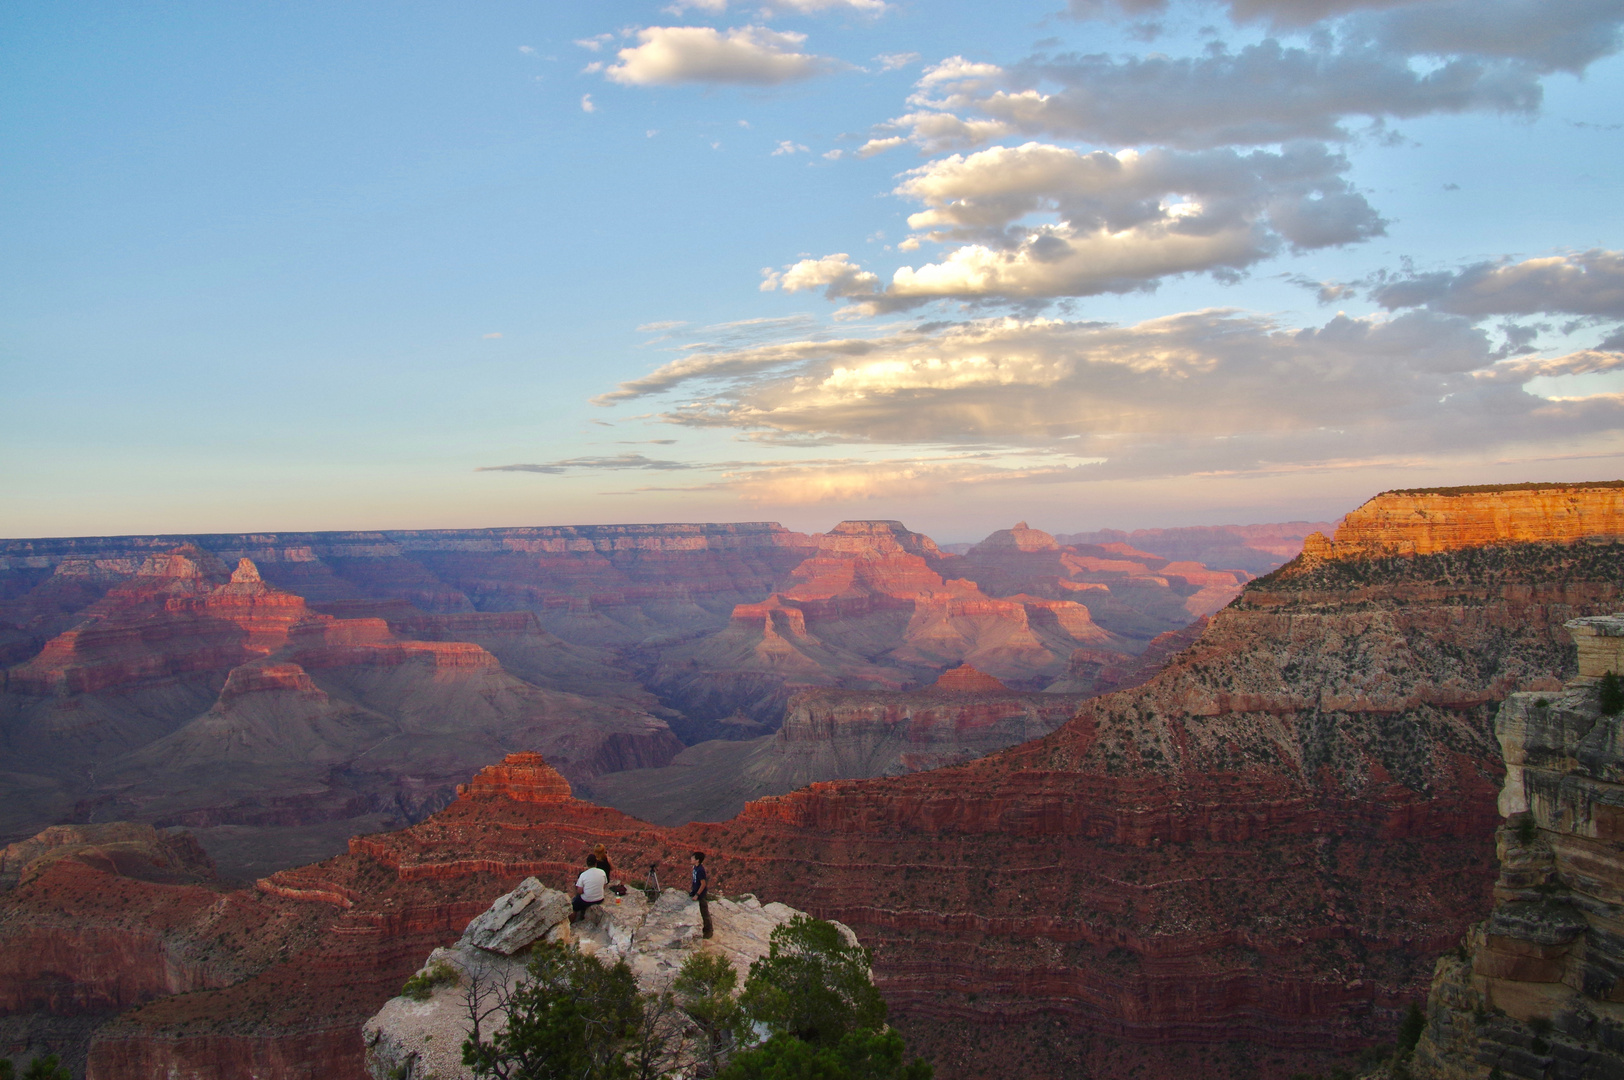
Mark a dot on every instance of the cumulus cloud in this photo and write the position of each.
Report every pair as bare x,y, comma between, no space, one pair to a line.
1373,60
1584,283
748,55
1198,391
1125,221
1265,93
836,274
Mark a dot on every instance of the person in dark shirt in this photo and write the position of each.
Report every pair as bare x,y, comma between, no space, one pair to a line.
699,889
600,859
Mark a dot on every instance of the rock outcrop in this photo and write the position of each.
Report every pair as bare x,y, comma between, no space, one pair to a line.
1430,520
125,848
423,1036
1535,991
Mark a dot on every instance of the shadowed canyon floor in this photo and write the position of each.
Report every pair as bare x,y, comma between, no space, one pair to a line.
1243,867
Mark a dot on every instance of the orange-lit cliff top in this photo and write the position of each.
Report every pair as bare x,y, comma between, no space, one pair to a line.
1425,521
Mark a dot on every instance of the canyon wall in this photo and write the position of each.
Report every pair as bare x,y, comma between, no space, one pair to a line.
251,686
1429,520
1243,867
1537,989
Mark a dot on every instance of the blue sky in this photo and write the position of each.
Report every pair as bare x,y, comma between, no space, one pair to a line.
394,266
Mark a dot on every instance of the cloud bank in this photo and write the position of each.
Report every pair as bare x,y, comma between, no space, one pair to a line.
1196,392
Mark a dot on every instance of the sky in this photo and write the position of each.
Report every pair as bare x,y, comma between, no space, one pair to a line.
1087,263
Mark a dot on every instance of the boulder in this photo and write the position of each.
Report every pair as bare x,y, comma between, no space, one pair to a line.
518,918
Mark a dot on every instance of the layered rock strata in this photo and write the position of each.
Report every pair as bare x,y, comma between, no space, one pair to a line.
195,695
1430,520
1537,990
1242,867
839,735
1131,593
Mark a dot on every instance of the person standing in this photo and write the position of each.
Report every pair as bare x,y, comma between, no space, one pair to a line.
699,889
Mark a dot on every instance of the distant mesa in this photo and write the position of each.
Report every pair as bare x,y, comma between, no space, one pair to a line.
965,679
1020,538
522,777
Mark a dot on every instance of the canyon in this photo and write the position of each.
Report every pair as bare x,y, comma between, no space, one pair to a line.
278,693
1243,866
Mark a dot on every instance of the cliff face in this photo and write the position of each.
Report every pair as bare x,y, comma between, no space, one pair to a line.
1424,522
1535,990
190,694
1242,867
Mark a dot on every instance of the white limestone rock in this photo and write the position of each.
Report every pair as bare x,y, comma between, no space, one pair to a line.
518,918
422,1040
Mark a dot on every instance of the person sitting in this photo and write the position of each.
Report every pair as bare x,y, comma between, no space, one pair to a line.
588,889
600,859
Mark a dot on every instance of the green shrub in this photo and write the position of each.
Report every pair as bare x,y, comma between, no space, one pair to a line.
7,1070
1409,1032
49,1067
574,1019
420,986
857,1055
1527,829
812,984
1612,694
704,991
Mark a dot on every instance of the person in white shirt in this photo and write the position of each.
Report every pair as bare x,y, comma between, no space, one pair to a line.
588,888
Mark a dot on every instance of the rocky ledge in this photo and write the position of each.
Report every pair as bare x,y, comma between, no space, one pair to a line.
1537,990
422,1036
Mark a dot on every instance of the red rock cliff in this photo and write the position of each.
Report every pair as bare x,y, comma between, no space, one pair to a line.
1430,520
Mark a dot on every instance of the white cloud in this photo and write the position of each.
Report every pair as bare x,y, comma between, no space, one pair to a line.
586,104
836,274
1204,391
750,55
713,7
1123,222
896,61
595,43
493,336
788,146
527,50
